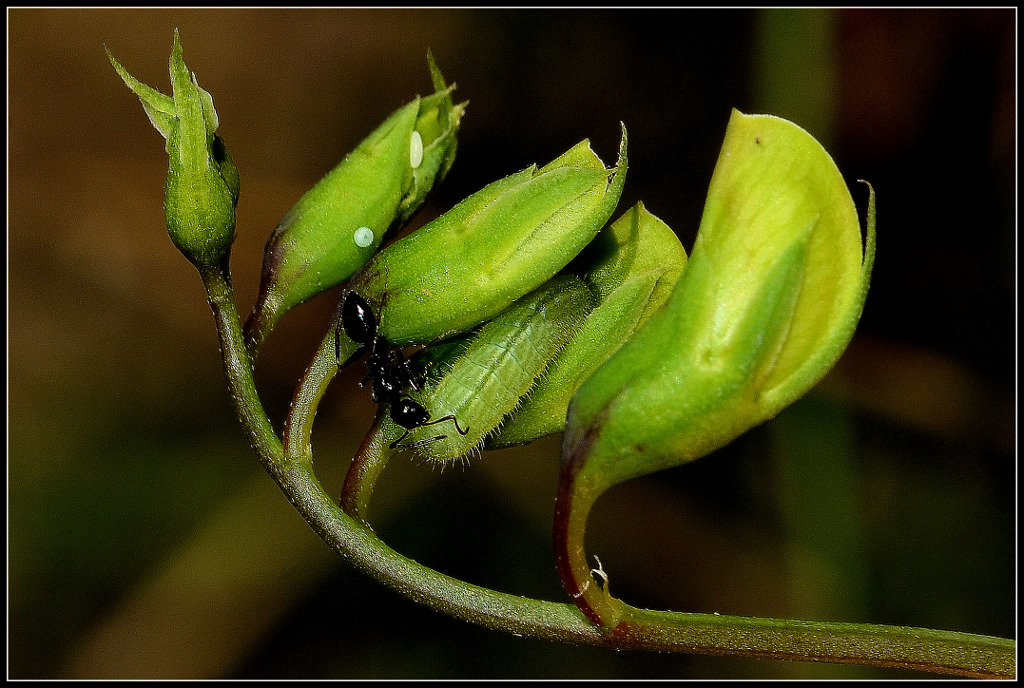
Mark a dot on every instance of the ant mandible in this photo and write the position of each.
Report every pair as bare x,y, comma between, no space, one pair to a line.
388,371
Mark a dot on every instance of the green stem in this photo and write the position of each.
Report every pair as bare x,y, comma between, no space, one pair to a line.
372,455
299,424
261,321
891,646
572,506
366,467
904,647
238,367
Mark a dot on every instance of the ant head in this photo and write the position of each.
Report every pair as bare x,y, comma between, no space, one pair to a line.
358,320
409,414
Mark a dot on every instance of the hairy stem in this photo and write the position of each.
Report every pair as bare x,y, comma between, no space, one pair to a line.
366,467
238,368
299,423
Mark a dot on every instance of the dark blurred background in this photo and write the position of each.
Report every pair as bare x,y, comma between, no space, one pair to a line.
145,539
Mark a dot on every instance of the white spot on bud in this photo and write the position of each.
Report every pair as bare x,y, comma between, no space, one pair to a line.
415,149
363,237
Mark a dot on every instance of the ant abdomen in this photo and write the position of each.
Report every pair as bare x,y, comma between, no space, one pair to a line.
358,320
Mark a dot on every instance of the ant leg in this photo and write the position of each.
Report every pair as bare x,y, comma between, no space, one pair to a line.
414,445
417,445
348,361
394,445
416,381
337,351
453,419
397,444
450,417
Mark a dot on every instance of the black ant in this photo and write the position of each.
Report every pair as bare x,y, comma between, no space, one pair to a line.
389,372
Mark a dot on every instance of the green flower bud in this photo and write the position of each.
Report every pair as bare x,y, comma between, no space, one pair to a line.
632,266
489,377
202,183
339,223
502,242
769,299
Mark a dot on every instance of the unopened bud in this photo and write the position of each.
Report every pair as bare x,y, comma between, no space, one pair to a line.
340,223
202,183
501,243
631,266
768,301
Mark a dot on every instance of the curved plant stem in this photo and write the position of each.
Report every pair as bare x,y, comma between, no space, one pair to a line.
290,464
238,368
367,465
299,423
374,452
